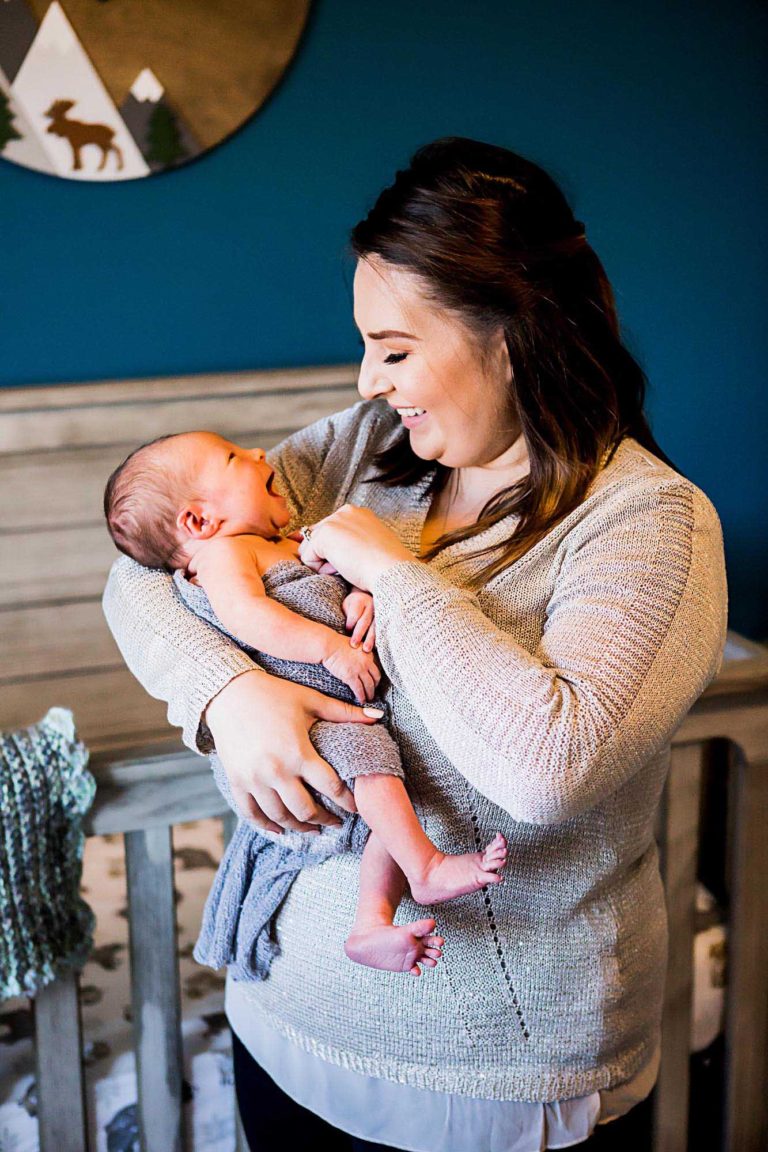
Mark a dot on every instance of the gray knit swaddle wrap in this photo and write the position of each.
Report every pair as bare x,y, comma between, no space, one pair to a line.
257,871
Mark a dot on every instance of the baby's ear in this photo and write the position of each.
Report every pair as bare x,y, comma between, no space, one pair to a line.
195,522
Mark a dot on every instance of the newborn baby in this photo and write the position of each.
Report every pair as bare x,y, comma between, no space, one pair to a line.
208,510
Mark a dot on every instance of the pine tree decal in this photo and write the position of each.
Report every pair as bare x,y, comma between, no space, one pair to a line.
164,138
7,130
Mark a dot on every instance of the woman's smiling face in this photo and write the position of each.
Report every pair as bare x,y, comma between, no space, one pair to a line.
452,396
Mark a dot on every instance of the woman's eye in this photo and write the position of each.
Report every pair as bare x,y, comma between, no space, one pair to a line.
395,357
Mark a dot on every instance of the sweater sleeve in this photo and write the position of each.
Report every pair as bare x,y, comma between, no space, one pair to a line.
175,655
633,633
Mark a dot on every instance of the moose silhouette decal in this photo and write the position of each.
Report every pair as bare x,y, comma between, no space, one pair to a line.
79,133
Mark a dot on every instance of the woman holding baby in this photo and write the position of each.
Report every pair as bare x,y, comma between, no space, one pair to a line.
550,600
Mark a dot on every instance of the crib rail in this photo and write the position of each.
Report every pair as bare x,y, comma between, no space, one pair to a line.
141,797
143,794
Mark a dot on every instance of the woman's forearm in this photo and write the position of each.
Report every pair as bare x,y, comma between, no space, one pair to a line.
548,734
174,654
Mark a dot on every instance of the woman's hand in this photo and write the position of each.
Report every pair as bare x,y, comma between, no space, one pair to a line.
260,725
356,543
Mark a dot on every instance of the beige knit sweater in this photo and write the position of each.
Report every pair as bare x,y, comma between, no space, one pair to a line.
542,707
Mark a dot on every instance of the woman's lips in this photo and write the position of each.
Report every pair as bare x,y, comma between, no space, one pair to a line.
414,421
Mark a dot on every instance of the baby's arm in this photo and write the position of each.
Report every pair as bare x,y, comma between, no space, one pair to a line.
227,568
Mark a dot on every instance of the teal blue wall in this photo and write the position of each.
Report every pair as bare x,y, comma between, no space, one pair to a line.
652,117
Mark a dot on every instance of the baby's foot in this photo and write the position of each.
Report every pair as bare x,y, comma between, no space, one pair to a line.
449,876
398,948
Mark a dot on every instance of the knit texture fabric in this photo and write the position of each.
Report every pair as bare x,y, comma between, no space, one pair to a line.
541,707
45,790
258,870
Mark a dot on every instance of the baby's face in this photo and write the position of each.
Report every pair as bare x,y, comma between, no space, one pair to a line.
235,485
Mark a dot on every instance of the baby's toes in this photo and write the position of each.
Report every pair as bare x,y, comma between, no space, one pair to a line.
433,941
433,953
428,962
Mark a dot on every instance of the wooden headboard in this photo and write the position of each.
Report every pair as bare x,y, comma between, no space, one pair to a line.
58,445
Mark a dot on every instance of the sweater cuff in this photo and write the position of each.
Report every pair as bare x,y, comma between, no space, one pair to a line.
195,732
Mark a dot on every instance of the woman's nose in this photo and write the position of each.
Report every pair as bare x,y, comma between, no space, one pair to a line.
372,381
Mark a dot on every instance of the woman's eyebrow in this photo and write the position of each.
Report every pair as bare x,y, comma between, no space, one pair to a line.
390,334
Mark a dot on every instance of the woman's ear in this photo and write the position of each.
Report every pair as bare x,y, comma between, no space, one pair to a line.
496,362
195,522
501,356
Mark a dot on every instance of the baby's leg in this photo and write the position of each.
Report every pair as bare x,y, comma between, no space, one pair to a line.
432,876
374,940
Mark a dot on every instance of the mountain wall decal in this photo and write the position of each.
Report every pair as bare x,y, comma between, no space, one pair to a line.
69,111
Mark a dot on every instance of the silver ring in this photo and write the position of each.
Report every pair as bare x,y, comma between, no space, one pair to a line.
306,533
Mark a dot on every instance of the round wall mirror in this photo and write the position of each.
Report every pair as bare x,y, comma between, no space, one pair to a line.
120,89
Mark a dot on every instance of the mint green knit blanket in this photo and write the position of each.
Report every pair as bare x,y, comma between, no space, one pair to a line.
45,790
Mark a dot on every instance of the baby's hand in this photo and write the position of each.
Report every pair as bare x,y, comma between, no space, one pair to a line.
358,609
355,668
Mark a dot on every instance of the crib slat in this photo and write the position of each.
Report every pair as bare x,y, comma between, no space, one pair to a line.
60,1087
746,1035
679,849
155,988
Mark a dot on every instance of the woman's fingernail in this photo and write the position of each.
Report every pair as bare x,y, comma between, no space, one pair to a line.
375,713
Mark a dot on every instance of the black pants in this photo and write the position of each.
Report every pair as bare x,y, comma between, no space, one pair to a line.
273,1121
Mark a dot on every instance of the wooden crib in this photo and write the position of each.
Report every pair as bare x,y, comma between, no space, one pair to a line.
57,446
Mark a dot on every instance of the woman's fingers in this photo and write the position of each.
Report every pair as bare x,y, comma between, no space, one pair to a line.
305,807
308,555
261,728
250,810
329,708
320,776
278,806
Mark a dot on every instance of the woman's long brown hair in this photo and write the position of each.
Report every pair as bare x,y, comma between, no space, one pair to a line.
493,240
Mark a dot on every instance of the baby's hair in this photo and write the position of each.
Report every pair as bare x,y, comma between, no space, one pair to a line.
141,502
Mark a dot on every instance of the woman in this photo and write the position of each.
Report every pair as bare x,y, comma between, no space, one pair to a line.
550,600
